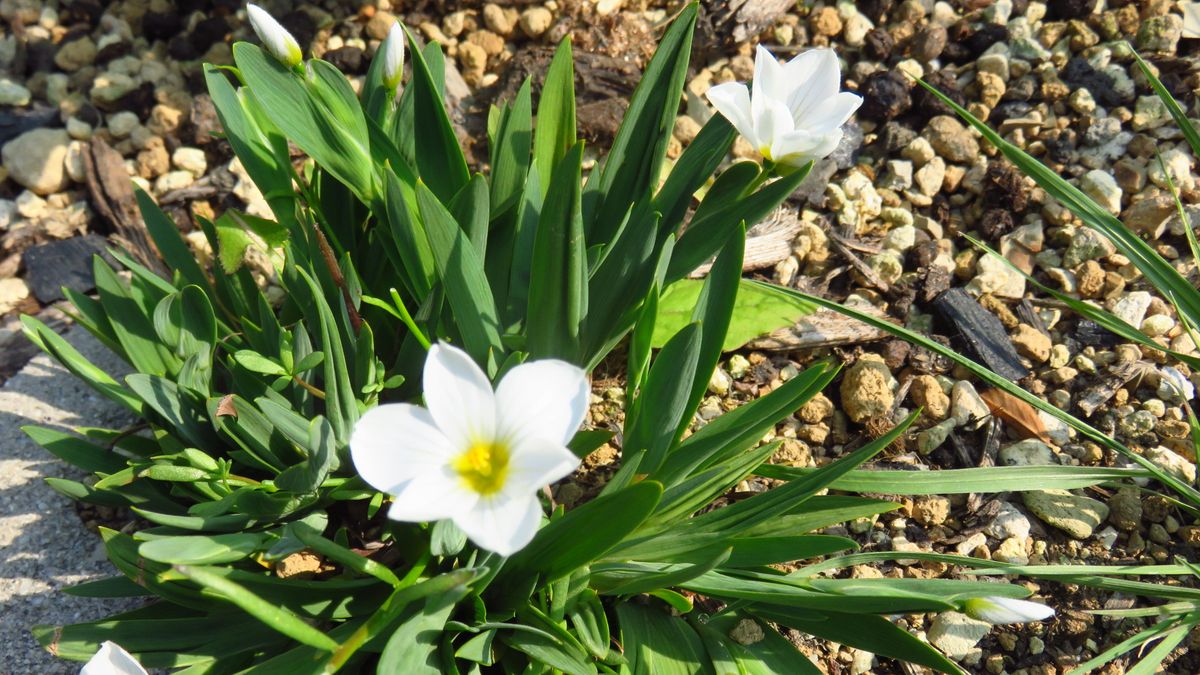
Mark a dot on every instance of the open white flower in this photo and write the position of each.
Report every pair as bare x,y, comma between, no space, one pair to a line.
110,659
274,36
475,456
793,112
1006,610
393,56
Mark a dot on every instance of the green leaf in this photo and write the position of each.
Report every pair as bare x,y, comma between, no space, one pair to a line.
279,618
257,363
558,293
590,621
767,656
170,244
510,150
202,549
466,284
308,475
312,111
555,134
756,312
558,550
631,169
75,451
440,160
870,633
177,407
965,481
413,647
133,327
660,644
53,344
662,408
341,407
542,649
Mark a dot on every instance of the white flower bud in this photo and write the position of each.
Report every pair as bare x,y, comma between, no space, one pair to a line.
393,56
998,610
274,36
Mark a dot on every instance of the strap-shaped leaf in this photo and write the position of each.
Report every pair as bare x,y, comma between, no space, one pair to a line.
557,286
439,158
631,169
555,134
341,407
463,275
510,150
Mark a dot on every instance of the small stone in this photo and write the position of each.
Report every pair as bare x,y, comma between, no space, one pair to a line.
1032,343
825,21
35,159
720,382
380,24
1012,550
1125,509
12,93
76,54
927,393
607,7
1150,215
991,88
970,544
78,129
498,20
473,59
967,406
1102,187
535,21
956,634
930,177
1173,463
931,509
818,409
1150,113
738,366
1029,452
1160,33
932,438
951,139
1131,308
121,124
173,180
747,632
868,389
12,292
1077,516
191,160
1086,244
302,565
1009,523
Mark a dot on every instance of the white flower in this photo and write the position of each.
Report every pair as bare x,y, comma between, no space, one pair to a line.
274,36
1006,610
393,56
475,456
793,112
110,659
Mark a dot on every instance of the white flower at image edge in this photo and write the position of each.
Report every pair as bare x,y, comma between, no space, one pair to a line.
110,659
793,112
475,456
997,610
274,36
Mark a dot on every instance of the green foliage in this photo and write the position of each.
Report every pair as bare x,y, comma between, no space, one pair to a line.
384,243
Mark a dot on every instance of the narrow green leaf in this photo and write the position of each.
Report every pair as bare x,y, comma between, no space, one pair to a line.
439,157
555,133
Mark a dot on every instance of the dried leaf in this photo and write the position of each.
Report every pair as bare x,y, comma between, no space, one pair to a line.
225,407
1019,414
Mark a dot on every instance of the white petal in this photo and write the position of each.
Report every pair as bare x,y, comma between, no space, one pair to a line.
732,99
997,610
502,524
772,123
394,443
799,147
770,82
393,56
536,462
832,113
815,79
546,399
459,396
110,659
274,36
433,496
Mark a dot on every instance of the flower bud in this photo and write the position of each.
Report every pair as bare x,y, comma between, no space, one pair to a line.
998,610
274,36
393,56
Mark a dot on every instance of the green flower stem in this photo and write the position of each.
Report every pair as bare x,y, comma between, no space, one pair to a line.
408,320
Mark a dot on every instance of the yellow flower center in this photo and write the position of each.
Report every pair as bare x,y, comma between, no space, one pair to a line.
483,467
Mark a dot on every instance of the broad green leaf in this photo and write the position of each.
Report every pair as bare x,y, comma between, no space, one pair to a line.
439,157
772,654
75,451
202,549
257,363
756,312
53,344
510,151
133,327
463,275
555,133
663,404
177,407
558,293
657,643
413,647
588,617
308,475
